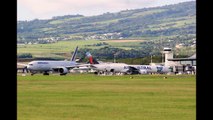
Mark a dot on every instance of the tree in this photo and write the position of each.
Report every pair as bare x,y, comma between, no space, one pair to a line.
25,55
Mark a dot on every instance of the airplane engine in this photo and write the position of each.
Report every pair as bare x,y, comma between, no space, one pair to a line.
63,71
143,71
132,70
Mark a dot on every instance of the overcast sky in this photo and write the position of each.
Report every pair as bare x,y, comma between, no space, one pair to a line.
46,9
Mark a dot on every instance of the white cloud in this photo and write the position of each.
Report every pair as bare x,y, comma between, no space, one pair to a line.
44,9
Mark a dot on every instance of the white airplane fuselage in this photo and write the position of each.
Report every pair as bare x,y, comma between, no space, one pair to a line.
48,65
124,68
152,69
111,67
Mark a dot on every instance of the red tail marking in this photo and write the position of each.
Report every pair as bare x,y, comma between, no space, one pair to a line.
91,60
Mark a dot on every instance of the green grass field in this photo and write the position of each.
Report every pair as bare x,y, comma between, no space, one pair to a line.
91,97
51,50
59,47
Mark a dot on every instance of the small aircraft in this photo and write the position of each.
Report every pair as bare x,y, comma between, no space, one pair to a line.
45,66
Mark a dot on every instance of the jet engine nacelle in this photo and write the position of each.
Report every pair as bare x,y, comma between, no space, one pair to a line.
143,71
63,71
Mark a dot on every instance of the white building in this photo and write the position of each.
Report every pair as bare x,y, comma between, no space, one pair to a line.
180,64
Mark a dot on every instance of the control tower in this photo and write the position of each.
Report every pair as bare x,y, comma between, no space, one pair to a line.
168,55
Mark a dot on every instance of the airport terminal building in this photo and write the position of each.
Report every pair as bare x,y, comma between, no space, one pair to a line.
180,65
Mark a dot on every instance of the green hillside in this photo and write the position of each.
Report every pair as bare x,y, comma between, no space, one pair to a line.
128,34
167,20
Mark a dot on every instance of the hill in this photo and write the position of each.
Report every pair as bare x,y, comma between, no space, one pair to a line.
170,20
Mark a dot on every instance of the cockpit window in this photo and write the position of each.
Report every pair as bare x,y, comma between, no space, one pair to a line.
30,64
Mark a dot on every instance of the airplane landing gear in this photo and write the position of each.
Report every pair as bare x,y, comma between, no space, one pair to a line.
62,74
32,73
45,73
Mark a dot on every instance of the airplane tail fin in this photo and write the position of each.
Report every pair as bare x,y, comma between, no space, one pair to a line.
91,59
74,54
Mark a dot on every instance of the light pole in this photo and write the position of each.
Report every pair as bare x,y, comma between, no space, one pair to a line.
152,57
161,42
162,57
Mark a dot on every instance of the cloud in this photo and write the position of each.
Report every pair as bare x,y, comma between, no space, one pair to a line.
44,9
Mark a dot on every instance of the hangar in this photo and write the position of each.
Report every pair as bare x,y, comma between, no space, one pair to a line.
185,61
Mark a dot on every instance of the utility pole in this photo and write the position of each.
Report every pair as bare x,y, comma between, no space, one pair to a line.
161,42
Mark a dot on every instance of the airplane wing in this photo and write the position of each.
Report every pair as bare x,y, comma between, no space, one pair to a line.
84,67
74,67
59,67
69,67
62,69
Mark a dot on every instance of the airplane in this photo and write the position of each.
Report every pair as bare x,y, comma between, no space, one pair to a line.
45,66
107,67
125,68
